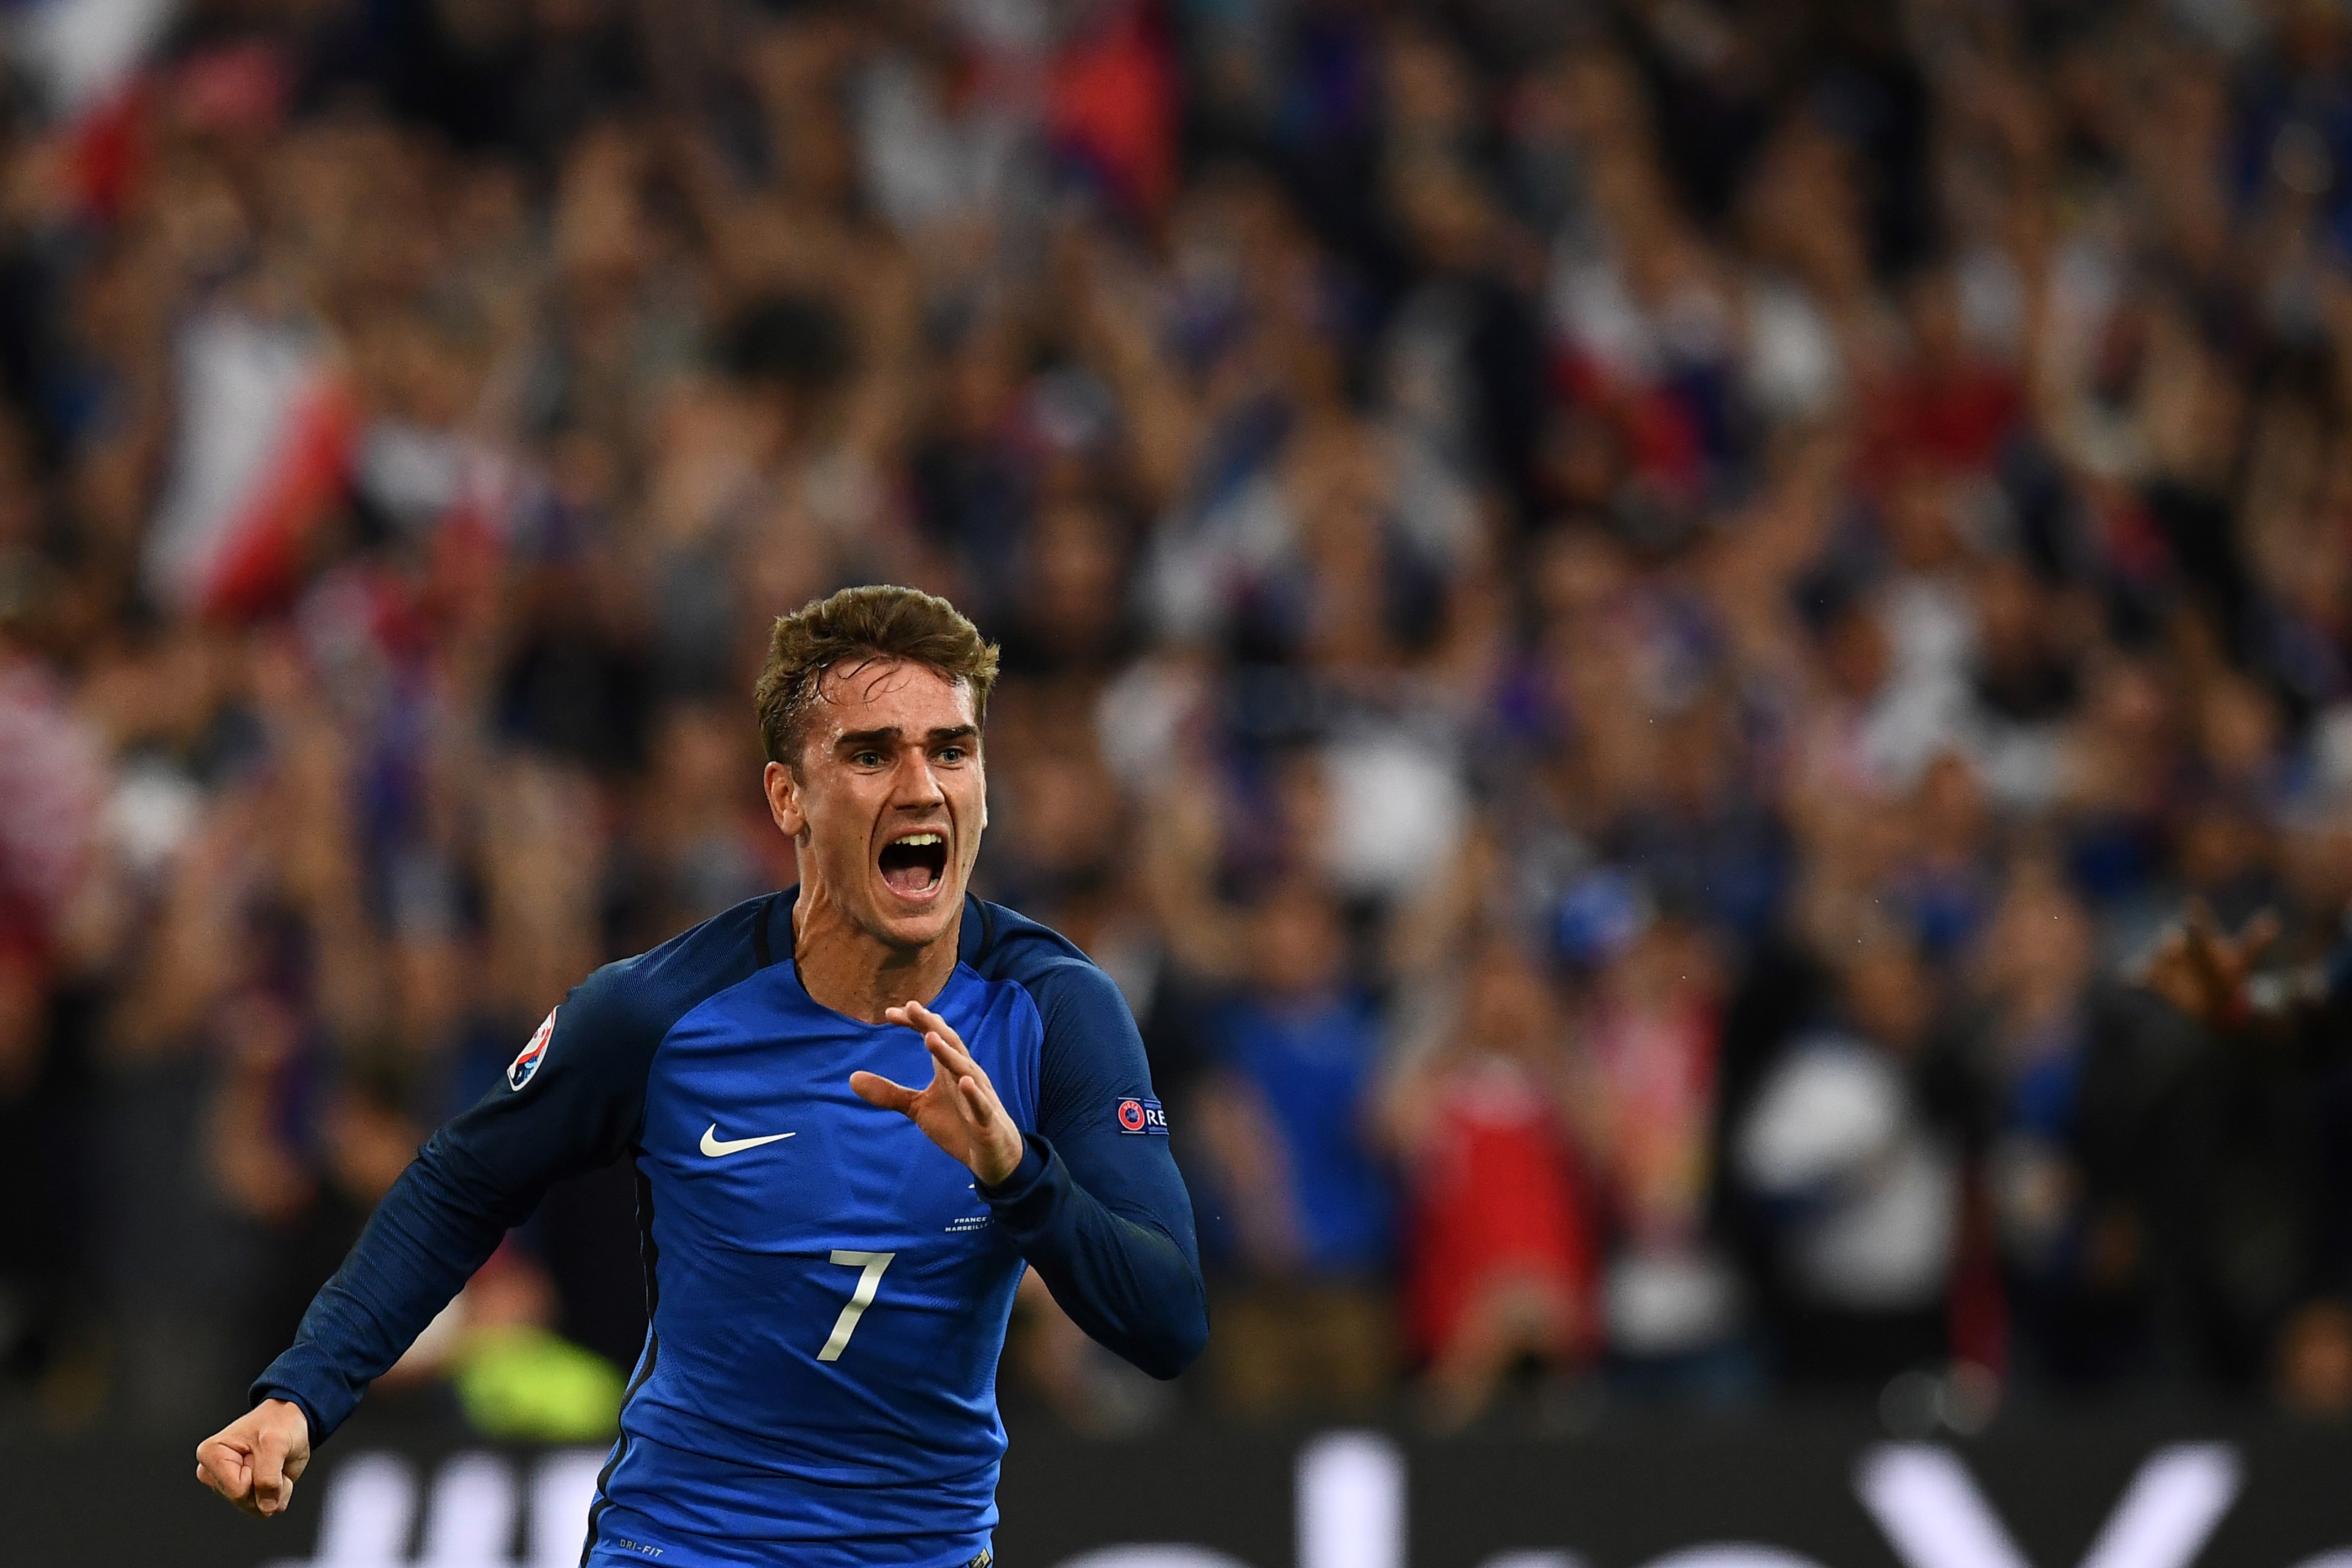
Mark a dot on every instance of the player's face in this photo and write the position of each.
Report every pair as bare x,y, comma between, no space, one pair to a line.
890,802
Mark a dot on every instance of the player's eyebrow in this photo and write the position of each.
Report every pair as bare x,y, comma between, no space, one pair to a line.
890,735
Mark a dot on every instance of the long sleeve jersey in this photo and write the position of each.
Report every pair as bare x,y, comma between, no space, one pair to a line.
827,1290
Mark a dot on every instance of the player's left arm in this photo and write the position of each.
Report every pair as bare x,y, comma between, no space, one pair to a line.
1096,1205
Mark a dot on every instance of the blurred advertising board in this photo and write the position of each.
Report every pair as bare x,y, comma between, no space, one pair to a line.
1749,1495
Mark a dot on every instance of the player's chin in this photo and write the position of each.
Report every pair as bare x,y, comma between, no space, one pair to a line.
916,916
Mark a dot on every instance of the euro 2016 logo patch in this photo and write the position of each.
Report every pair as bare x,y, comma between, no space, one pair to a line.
1142,1116
525,1066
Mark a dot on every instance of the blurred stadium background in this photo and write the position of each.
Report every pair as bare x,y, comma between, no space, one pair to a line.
1624,622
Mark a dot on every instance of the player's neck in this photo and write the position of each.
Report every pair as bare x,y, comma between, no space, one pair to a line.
844,967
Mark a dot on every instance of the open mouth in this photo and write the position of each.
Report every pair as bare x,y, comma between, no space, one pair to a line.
913,866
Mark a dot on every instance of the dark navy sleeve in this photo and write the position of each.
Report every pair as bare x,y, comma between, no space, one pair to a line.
1097,1206
576,1107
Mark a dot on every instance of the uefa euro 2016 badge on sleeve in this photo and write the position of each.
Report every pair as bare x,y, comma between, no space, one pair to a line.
525,1066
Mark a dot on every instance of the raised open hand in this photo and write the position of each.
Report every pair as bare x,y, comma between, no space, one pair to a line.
2203,972
958,1110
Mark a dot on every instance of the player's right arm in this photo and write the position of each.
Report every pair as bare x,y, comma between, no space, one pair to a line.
577,1105
254,1461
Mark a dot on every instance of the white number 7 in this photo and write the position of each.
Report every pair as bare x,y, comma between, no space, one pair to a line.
872,1263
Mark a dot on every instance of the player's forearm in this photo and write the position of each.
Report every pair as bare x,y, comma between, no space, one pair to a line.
1130,1285
433,1230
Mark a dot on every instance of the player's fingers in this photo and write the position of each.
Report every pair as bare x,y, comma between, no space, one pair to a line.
979,1104
875,1090
231,1486
226,1471
930,1025
960,1067
270,1486
949,1051
224,1468
923,1017
243,1501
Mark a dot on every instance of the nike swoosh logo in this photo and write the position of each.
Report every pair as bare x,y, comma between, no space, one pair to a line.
715,1147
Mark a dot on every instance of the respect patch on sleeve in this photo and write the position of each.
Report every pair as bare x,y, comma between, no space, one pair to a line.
1142,1117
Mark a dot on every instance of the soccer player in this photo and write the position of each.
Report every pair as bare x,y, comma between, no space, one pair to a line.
830,1254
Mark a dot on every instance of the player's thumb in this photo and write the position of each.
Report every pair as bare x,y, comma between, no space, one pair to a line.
875,1090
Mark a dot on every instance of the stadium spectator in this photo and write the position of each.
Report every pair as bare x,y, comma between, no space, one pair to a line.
1500,1262
1289,1127
1859,1185
1649,1043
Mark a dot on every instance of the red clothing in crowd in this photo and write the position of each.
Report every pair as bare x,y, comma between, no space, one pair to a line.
1956,420
1495,1197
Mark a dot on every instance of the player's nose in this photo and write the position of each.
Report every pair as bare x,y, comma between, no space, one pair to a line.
916,783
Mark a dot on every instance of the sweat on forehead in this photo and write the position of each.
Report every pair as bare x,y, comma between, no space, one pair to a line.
831,698
838,685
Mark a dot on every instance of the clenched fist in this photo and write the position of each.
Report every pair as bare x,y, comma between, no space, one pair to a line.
254,1461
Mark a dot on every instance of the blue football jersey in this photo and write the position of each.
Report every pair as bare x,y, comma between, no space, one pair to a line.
827,1290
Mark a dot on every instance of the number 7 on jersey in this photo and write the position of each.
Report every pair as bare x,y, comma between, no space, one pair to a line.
869,1281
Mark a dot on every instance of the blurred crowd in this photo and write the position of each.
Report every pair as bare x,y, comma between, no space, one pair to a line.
1627,625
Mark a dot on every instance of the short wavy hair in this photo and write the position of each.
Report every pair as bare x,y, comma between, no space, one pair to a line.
861,626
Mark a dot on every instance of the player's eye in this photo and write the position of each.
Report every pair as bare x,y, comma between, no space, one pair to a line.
869,758
951,754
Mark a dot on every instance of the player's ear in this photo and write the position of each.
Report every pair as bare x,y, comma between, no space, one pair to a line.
785,799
